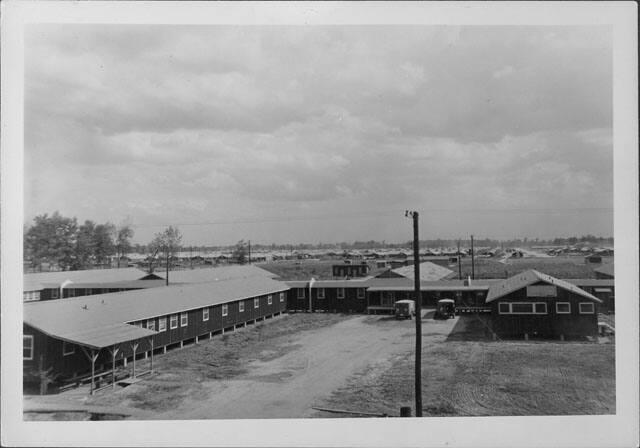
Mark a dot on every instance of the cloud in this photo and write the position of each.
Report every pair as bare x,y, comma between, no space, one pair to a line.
174,123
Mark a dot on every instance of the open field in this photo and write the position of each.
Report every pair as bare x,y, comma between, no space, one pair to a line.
285,367
559,267
462,375
301,269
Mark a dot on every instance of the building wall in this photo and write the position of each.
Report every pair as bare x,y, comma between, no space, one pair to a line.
350,303
50,349
549,325
350,270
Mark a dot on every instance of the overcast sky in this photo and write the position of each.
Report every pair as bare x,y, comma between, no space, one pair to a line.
325,133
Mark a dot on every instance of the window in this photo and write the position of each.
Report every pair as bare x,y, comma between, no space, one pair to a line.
162,324
241,307
301,293
151,324
54,293
340,293
31,296
522,308
320,293
586,308
88,292
138,324
225,310
281,297
68,349
184,319
540,308
173,322
205,314
269,299
27,347
256,303
563,308
360,293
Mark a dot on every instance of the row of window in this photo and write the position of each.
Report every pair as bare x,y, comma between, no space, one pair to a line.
321,293
541,308
31,296
184,317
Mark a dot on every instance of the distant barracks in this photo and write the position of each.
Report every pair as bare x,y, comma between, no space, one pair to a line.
82,326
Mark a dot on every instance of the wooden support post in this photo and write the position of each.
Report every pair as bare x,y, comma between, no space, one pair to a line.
562,337
181,344
164,349
526,336
134,347
151,343
196,339
92,357
114,352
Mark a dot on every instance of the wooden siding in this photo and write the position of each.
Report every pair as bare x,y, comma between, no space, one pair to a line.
549,325
50,348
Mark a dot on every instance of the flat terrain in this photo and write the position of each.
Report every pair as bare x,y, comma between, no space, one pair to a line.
301,269
559,267
286,366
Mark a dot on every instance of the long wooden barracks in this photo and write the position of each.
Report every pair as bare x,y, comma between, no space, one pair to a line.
84,338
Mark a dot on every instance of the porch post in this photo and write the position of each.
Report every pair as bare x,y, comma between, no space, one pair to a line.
134,347
114,352
93,372
151,342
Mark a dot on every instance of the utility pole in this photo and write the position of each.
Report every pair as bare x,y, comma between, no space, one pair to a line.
249,251
418,305
459,262
473,263
167,279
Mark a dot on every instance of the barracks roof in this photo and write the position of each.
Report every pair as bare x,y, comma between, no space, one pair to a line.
100,320
428,271
530,277
40,280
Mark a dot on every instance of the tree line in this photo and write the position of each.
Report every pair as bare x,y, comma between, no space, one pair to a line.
62,242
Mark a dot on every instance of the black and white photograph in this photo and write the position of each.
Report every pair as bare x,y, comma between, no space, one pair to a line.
320,224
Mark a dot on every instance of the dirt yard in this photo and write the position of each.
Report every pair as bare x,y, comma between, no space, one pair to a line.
285,367
464,375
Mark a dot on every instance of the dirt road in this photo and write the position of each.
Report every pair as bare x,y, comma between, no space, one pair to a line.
278,370
288,386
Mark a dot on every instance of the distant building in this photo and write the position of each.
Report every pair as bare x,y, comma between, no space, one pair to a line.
350,270
593,259
64,284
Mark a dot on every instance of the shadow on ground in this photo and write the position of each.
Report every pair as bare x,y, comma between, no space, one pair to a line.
470,328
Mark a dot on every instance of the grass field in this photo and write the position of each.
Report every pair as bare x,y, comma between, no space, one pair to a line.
466,375
301,269
559,267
